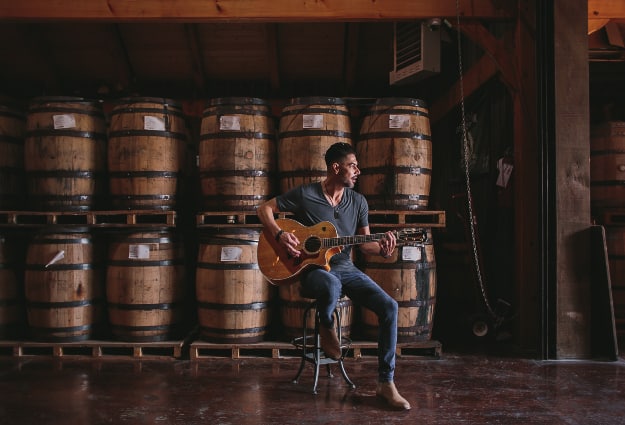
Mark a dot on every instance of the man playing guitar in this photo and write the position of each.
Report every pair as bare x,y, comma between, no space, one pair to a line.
335,201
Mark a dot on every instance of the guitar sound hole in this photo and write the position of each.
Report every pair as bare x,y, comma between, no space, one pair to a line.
312,245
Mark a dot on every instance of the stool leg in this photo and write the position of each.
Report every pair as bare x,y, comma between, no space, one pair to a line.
337,314
314,354
304,343
317,352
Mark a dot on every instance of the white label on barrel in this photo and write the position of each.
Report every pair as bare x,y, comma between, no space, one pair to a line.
64,121
153,123
231,253
230,122
398,121
411,253
312,121
139,252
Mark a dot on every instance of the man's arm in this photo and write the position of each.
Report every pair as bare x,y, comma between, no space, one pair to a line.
265,213
383,247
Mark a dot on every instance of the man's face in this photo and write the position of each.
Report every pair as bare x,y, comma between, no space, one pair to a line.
349,171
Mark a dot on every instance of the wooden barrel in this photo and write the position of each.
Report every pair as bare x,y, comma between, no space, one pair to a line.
12,130
293,305
147,141
237,154
65,153
607,165
308,127
145,285
233,298
394,152
12,308
409,276
63,285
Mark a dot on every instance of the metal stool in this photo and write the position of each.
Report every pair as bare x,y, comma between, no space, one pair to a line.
311,347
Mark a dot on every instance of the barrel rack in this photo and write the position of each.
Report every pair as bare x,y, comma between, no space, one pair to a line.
191,347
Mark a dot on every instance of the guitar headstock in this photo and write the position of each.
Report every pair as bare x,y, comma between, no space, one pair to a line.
412,236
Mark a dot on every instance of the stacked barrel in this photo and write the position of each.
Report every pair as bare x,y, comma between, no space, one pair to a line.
133,282
75,282
394,151
308,127
237,169
607,195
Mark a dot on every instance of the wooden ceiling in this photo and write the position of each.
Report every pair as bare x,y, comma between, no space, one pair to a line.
199,48
195,60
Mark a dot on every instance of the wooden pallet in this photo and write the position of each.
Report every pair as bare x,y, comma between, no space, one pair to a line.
275,350
94,349
377,218
121,218
430,349
397,218
359,349
228,218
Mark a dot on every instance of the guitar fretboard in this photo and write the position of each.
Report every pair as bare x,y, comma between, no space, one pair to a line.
350,240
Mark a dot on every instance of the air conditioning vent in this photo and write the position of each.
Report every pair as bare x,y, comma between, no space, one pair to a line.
416,52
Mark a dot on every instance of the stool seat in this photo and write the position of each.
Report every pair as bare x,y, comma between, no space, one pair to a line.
311,347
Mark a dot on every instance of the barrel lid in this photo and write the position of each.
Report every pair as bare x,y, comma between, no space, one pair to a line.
404,101
236,101
314,100
148,99
38,101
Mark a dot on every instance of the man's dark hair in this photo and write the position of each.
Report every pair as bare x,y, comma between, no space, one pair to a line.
337,152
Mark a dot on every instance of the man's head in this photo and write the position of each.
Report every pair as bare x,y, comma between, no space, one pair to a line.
338,152
342,164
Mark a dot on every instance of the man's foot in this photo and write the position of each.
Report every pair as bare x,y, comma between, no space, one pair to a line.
330,342
388,392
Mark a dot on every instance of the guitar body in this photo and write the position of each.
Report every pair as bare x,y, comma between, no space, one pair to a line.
279,267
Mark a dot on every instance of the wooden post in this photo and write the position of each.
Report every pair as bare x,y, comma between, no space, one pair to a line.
572,175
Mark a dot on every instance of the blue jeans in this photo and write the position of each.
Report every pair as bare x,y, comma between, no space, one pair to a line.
345,278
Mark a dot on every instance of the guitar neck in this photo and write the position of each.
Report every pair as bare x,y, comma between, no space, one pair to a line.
350,240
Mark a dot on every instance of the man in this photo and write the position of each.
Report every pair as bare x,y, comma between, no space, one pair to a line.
334,200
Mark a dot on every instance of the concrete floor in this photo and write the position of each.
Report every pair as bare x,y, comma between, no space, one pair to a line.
454,389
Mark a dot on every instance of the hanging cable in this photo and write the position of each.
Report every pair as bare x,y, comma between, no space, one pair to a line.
465,144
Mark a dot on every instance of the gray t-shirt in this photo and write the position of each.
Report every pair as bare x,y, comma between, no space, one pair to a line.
310,207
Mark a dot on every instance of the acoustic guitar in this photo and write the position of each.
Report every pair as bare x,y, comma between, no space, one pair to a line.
318,244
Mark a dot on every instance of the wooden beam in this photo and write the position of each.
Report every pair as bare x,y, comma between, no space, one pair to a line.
273,55
495,49
245,10
606,9
601,11
123,65
199,76
482,71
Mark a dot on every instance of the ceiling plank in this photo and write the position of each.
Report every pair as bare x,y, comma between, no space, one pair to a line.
601,11
243,10
606,9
